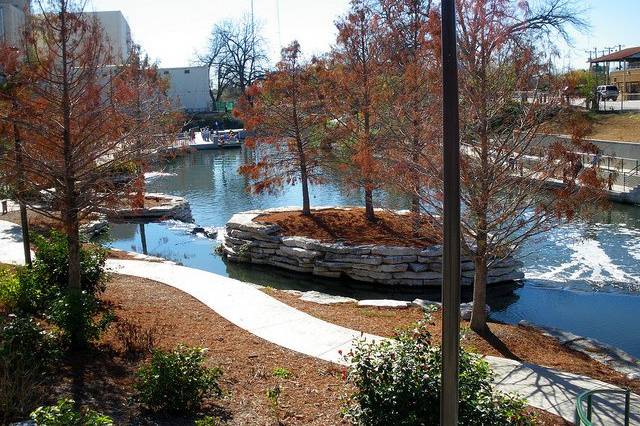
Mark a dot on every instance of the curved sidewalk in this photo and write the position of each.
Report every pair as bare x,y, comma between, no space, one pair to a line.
253,310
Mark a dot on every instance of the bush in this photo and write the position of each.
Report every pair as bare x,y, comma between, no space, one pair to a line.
65,414
398,382
26,356
52,264
80,317
9,288
177,381
136,341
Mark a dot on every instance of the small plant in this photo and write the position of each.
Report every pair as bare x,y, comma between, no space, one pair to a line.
281,373
398,382
273,396
137,342
209,421
177,381
64,413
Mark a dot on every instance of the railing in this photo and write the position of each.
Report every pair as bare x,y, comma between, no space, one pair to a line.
584,418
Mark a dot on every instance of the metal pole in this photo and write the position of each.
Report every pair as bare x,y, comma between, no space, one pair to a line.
451,207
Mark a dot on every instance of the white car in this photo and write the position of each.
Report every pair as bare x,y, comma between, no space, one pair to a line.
608,92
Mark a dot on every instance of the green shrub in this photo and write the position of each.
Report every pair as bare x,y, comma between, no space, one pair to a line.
27,354
177,381
9,288
79,316
209,421
398,382
64,413
52,264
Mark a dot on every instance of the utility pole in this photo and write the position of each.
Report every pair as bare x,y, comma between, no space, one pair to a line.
451,209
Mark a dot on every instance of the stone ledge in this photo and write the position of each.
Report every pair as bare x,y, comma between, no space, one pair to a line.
260,243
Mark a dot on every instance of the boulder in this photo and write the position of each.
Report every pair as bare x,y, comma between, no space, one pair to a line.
426,303
433,251
467,308
400,267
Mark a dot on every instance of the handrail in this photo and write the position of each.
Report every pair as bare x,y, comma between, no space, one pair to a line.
583,418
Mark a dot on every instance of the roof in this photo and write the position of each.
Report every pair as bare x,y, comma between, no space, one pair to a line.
620,55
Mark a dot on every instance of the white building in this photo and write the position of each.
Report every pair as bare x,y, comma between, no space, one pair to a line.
189,87
116,32
12,19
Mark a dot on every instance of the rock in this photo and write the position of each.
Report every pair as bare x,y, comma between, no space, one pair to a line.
327,274
197,230
368,260
370,274
399,259
325,299
426,303
514,276
433,251
467,308
298,252
394,251
406,282
384,303
418,267
301,242
244,222
428,275
334,266
498,272
340,248
400,267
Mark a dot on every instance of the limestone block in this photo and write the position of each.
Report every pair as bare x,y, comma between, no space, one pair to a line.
384,303
391,260
369,260
339,248
297,252
433,251
399,267
301,242
428,275
394,251
418,267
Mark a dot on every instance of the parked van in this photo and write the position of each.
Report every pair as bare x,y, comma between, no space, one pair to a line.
608,92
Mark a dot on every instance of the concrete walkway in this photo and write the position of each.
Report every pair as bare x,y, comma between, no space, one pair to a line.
249,308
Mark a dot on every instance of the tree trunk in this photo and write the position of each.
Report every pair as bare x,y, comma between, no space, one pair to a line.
368,205
306,204
479,313
24,221
74,288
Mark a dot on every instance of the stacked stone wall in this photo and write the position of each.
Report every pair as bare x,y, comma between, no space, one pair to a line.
261,243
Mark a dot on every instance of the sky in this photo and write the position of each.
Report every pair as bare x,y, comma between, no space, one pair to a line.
173,31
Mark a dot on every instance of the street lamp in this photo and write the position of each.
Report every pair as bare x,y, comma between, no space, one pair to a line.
451,213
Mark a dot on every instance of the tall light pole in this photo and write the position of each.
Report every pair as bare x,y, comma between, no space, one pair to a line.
451,207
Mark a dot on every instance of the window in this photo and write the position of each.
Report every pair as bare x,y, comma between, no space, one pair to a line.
187,71
166,73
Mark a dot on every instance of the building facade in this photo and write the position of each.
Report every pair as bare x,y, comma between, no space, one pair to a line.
12,20
116,32
622,68
189,88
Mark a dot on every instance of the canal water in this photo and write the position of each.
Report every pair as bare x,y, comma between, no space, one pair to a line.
582,277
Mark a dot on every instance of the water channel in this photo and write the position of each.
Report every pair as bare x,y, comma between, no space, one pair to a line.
581,277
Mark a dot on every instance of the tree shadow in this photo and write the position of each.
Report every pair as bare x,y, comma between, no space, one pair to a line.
497,344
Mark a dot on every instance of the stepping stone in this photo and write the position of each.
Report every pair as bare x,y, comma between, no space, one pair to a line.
325,299
384,303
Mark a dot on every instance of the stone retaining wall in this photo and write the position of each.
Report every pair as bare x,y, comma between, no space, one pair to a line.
172,207
259,243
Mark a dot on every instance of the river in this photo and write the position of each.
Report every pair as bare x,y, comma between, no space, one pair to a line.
581,277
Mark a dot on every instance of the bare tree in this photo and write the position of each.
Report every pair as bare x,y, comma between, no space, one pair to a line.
514,186
236,56
78,126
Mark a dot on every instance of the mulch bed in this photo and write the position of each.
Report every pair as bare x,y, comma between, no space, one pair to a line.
352,226
516,342
40,223
103,378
